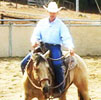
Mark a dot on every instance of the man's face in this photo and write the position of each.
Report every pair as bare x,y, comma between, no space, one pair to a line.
52,16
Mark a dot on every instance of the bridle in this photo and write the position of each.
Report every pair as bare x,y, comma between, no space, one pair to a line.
39,81
45,79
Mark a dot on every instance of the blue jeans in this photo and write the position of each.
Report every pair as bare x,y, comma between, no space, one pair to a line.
57,64
25,61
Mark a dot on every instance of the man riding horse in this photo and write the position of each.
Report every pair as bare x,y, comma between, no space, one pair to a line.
53,33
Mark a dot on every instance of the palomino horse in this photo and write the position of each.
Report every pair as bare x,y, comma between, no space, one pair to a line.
38,79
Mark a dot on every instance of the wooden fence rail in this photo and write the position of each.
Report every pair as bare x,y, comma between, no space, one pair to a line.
7,16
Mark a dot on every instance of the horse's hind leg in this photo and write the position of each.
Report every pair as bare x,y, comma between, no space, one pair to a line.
82,85
80,96
83,95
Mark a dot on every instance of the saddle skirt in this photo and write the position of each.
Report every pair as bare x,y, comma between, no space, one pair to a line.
69,61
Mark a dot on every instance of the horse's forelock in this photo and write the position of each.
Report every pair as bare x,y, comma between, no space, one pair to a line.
39,58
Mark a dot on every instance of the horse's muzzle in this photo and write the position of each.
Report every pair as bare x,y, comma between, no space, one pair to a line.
45,86
46,89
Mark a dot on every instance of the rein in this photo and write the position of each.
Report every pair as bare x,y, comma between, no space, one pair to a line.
34,85
59,95
68,81
59,58
66,72
61,82
67,54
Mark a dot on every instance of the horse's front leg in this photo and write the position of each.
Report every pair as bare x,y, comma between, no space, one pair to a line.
41,98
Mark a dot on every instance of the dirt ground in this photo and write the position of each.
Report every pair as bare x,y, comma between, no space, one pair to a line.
10,73
11,87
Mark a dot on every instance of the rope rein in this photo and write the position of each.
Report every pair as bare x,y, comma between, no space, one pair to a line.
37,87
61,82
67,54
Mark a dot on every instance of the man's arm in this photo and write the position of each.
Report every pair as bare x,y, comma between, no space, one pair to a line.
36,36
67,39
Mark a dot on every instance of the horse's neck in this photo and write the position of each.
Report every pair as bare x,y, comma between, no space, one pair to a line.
30,66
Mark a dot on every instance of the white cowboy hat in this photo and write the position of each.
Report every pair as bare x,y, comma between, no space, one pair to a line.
52,7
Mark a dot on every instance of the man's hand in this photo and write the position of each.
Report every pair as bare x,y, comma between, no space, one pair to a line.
72,52
35,45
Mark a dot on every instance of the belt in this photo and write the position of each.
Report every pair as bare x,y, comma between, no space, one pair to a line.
47,44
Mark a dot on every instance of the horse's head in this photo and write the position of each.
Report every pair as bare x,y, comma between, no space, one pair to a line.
41,70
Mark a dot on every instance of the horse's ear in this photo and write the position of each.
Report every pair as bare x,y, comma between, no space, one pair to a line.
46,55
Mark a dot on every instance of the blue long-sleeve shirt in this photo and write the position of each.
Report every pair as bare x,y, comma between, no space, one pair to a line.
54,32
